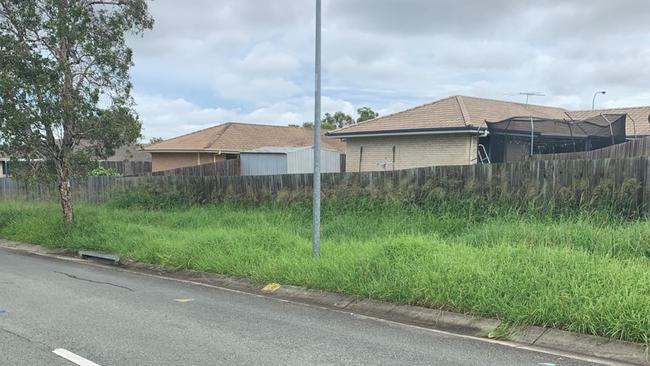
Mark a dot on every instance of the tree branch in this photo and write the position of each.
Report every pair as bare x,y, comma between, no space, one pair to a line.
106,2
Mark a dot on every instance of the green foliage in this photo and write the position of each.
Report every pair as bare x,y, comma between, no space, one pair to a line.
584,272
149,196
58,60
110,130
366,113
328,126
100,171
338,119
433,193
323,125
155,140
50,84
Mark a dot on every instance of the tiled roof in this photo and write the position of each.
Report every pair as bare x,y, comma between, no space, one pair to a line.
458,112
131,152
282,150
236,137
453,112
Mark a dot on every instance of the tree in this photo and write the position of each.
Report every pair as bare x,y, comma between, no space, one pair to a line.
155,140
323,125
64,81
338,119
366,113
327,126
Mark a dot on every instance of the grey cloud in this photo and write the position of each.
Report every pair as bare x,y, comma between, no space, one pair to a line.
415,16
256,57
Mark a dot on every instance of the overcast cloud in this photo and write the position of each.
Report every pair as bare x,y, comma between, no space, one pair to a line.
212,61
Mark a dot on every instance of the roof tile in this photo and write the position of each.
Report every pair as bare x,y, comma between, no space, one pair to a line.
463,111
236,137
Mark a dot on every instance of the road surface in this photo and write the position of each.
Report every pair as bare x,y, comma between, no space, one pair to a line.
112,317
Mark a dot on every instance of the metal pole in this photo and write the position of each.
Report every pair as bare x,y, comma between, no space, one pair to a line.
611,131
315,244
532,136
593,101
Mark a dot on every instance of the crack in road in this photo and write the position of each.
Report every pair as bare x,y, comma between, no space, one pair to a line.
93,281
21,336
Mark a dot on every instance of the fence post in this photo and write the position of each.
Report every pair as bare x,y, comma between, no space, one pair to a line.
645,186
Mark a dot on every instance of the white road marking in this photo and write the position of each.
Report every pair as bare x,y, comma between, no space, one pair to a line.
183,300
76,359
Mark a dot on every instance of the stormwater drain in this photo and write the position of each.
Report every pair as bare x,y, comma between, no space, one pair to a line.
106,258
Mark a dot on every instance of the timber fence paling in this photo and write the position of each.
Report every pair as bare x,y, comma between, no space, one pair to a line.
625,182
128,168
221,168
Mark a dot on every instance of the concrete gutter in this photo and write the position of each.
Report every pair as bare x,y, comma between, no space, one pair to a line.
534,338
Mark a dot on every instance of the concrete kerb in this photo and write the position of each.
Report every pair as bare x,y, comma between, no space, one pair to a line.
592,346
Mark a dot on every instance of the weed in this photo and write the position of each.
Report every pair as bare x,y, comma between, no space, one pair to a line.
522,263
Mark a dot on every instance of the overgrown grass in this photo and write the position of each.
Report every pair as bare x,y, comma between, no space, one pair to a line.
581,272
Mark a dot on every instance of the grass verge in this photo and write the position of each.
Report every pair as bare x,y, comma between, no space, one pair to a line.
584,273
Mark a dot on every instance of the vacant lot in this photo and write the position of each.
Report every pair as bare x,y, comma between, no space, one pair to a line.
582,272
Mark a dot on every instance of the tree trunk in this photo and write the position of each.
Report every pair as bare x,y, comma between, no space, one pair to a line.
65,193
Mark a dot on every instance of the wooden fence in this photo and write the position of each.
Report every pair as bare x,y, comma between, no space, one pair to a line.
630,149
128,168
624,182
222,168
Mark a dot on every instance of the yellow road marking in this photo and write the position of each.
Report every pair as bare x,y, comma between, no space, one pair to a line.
271,287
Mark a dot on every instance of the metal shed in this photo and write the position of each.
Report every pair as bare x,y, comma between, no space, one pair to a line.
287,160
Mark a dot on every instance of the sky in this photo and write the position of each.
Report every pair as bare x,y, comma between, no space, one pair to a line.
208,62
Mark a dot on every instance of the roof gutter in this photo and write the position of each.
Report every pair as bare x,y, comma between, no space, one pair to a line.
191,151
410,132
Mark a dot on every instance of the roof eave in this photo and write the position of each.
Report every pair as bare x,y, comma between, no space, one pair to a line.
408,132
188,151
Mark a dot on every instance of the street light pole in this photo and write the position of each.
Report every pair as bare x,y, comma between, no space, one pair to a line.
593,101
315,244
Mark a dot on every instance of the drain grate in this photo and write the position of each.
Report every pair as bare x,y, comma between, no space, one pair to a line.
107,258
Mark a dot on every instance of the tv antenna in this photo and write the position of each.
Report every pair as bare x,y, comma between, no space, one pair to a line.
532,94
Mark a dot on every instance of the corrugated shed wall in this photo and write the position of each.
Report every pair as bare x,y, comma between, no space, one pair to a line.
302,161
263,164
294,162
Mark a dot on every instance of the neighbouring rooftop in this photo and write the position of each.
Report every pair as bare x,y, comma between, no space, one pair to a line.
233,137
465,113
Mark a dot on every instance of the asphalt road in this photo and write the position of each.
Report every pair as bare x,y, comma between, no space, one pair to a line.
113,317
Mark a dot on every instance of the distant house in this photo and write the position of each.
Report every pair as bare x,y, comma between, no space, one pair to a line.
130,153
127,160
449,131
287,160
227,141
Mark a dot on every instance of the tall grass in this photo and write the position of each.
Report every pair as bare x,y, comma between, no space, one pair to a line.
585,272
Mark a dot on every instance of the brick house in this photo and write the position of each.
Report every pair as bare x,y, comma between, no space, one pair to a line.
448,131
226,141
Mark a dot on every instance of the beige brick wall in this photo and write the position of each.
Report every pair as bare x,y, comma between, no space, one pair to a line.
410,152
167,161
